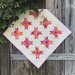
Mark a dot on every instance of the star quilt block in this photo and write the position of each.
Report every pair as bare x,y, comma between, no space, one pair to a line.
37,37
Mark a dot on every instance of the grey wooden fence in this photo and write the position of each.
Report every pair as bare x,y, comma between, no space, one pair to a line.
61,62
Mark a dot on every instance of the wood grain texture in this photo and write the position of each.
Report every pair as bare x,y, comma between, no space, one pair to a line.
4,57
54,56
70,42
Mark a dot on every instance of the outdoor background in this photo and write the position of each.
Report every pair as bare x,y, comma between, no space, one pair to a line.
61,62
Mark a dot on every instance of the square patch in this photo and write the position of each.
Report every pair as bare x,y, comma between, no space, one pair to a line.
37,37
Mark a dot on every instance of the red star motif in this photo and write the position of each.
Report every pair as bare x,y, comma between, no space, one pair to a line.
26,23
26,42
17,33
36,33
56,32
45,23
37,52
33,14
46,42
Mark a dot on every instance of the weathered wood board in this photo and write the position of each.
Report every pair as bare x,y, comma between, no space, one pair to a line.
70,42
4,59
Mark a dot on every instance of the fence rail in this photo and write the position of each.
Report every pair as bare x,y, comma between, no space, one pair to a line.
63,56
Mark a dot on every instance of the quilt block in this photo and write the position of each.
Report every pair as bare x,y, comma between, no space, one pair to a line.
37,37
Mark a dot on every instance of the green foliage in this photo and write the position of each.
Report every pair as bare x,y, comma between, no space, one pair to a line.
1,40
11,9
